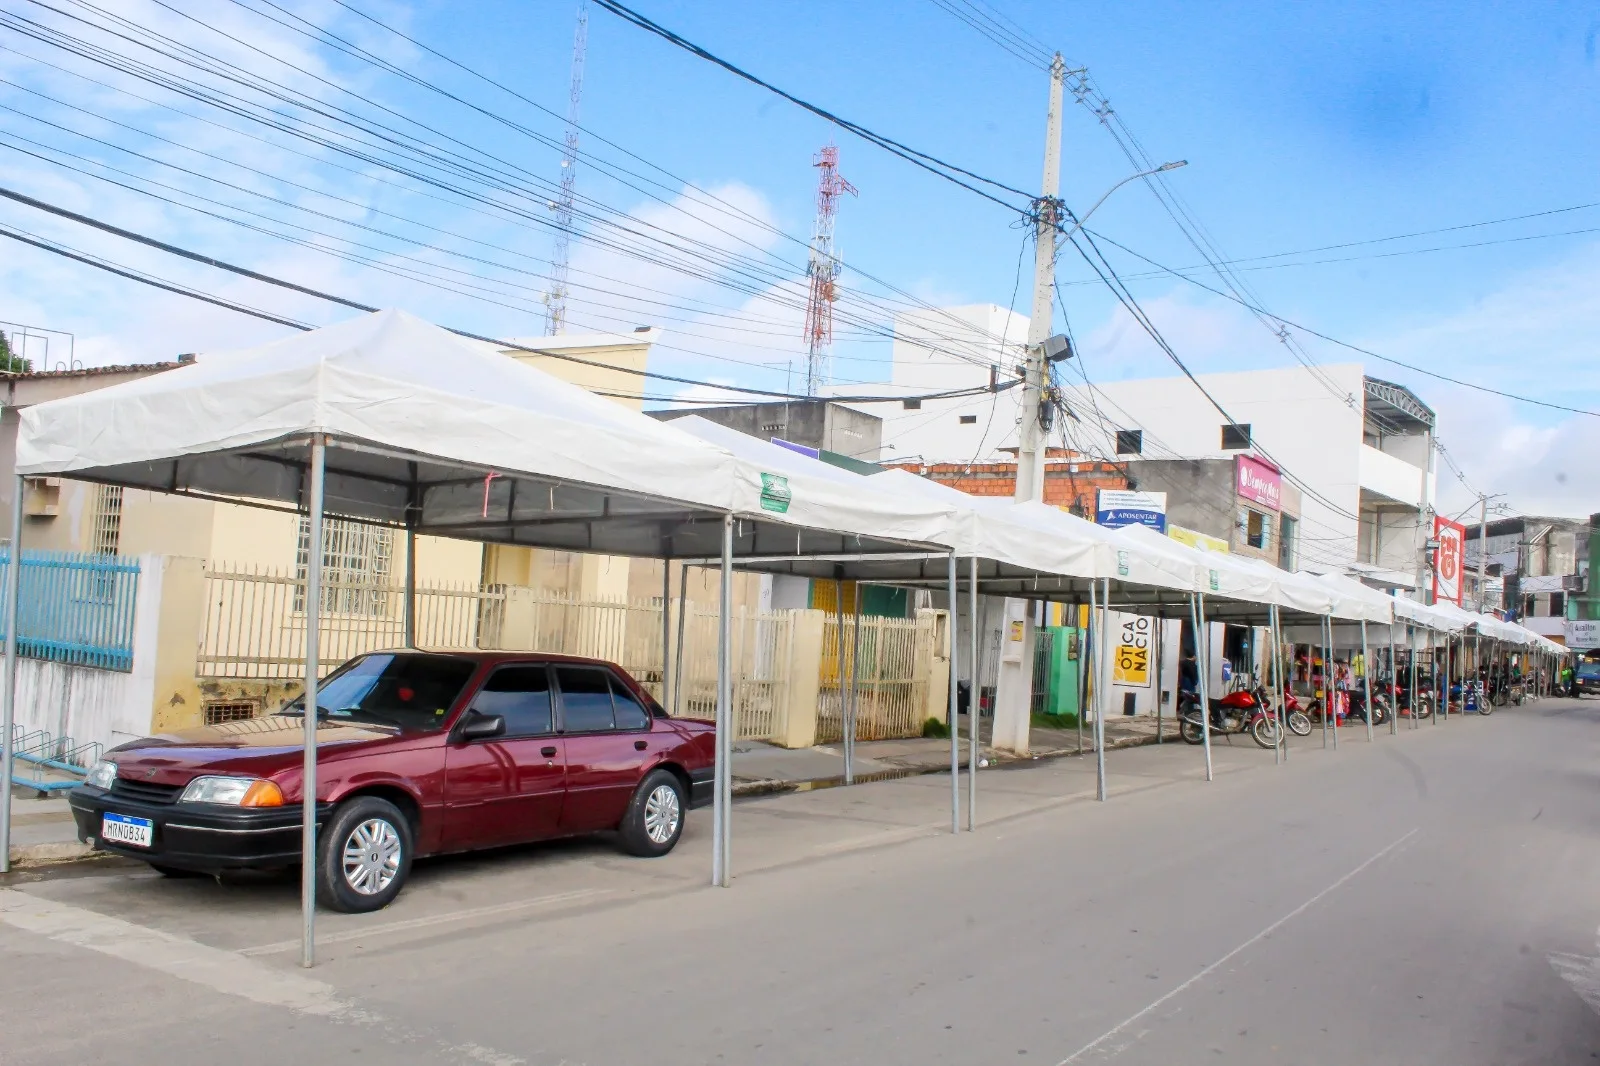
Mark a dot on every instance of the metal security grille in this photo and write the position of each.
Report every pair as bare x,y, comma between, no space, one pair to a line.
108,520
356,560
219,711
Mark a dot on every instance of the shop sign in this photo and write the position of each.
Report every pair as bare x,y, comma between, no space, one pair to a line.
1119,507
1133,652
1196,539
1583,634
1452,537
1258,481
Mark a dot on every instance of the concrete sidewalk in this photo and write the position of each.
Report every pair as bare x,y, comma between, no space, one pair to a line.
760,768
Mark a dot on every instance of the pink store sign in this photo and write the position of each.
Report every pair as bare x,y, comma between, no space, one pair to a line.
1258,481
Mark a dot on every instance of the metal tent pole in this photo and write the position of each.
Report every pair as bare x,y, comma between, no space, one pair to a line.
1280,685
973,718
838,647
308,787
1084,646
8,716
1097,619
1327,678
1366,677
1444,704
1411,648
683,613
1330,708
1202,655
850,707
955,732
666,630
721,814
411,584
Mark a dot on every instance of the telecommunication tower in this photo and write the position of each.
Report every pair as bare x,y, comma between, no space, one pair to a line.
823,269
556,300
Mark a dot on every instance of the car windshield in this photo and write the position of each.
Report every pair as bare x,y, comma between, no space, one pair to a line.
407,691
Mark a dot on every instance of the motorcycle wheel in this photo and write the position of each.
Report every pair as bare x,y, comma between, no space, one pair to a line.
1299,724
1265,731
1191,731
1486,708
1425,709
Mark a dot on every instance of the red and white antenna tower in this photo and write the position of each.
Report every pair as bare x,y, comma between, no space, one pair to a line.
823,269
556,299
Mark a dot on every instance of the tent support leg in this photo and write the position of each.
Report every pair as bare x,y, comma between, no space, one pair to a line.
1100,686
1333,688
666,628
954,629
308,800
683,614
1202,650
411,587
8,701
1280,750
721,814
1366,677
974,719
850,706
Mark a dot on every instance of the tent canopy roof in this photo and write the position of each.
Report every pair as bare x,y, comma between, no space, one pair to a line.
435,432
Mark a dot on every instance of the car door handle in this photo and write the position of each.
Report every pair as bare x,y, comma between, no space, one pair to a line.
639,745
548,753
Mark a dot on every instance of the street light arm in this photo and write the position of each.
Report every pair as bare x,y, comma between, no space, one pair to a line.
1067,236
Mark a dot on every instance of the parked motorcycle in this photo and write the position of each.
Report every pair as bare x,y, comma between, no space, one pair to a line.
1294,714
1245,711
1358,707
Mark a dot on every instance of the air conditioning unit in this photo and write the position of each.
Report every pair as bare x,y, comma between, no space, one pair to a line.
41,497
1573,582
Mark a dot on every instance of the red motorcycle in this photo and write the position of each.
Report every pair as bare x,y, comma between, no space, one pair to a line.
1294,714
1245,711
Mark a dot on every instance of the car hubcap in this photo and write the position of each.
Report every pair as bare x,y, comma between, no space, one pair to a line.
661,813
371,856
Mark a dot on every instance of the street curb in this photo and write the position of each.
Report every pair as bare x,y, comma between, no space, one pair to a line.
770,787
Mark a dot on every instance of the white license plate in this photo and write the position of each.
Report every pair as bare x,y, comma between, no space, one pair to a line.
121,829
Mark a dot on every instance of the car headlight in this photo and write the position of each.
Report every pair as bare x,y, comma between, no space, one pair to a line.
102,774
233,791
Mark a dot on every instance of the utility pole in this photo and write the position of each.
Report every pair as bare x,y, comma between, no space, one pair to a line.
1014,677
1483,544
556,298
1034,438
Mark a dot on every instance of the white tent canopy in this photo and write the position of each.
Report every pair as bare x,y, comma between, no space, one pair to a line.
440,435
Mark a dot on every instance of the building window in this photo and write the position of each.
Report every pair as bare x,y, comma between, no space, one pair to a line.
1558,605
1256,527
911,405
356,562
1130,442
108,520
969,420
1235,436
1286,538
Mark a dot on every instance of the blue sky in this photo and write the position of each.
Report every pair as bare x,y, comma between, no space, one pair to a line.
1304,125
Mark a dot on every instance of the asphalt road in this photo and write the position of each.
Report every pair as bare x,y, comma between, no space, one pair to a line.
1427,898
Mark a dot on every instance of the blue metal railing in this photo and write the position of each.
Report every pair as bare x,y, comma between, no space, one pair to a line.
75,608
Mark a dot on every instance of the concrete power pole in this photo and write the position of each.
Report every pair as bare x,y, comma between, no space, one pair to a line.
1033,439
1483,544
1014,680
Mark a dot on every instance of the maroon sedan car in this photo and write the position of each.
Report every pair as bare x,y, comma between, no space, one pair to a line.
418,753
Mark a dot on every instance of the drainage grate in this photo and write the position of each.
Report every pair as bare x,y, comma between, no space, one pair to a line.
231,711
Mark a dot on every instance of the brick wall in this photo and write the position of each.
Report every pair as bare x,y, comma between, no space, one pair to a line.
1069,484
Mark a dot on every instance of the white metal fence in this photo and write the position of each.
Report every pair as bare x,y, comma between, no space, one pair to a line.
255,629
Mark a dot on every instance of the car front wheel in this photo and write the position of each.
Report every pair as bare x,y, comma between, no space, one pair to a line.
364,856
654,820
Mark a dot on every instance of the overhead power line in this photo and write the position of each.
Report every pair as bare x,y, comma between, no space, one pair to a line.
932,164
1291,324
282,283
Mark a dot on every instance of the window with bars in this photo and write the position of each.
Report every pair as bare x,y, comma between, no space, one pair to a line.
356,563
108,520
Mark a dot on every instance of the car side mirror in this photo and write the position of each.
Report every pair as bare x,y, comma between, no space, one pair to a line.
480,726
